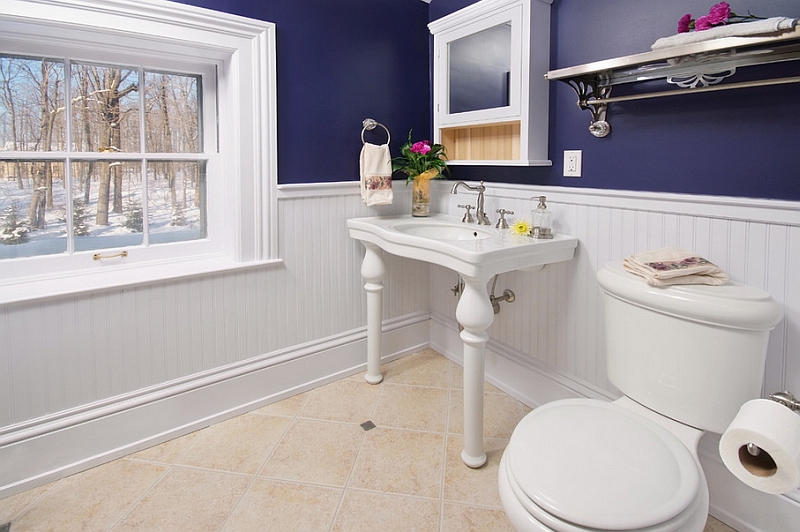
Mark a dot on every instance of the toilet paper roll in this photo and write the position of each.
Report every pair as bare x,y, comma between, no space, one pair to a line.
772,465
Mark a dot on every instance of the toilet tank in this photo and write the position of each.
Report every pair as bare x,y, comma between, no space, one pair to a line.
693,353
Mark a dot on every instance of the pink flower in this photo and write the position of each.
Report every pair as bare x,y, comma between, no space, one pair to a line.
703,23
719,14
685,23
421,147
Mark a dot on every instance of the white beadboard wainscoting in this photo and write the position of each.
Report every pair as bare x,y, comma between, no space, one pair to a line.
90,377
549,343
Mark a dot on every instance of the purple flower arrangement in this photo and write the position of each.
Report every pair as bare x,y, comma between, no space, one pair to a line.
719,15
420,158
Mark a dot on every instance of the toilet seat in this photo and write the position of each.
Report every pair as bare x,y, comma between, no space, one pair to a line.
582,465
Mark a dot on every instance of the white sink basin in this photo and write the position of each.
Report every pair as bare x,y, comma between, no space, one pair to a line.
473,250
445,231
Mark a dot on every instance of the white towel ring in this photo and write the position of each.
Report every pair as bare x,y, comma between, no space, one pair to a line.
370,124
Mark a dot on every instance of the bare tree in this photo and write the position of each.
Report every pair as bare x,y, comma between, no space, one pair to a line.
166,136
85,133
9,70
107,83
49,82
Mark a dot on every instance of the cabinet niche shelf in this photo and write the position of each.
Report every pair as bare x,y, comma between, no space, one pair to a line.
490,142
692,68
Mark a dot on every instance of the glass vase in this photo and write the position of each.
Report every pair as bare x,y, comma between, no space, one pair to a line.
421,194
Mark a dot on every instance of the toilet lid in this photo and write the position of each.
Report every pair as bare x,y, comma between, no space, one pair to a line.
598,465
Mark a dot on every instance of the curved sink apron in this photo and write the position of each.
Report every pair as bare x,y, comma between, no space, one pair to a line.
475,252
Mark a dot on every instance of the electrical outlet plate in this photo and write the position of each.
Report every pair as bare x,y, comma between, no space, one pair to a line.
572,163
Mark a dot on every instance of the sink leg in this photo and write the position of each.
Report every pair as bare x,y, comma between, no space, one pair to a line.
474,313
373,270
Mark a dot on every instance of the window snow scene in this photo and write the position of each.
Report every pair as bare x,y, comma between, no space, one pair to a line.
98,156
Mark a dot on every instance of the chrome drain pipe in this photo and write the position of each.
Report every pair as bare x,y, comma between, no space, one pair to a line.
508,296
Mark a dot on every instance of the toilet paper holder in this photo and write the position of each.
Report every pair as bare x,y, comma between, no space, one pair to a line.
788,400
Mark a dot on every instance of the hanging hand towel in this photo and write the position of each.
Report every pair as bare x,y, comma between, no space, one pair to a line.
376,174
670,266
760,28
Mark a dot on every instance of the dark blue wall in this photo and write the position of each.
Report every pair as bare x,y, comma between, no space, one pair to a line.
340,62
735,143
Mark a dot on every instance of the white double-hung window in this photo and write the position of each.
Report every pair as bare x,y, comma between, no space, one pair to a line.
137,142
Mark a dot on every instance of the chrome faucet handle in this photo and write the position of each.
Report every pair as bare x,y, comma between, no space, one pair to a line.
468,218
502,223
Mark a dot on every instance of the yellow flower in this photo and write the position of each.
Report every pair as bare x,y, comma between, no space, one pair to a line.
521,227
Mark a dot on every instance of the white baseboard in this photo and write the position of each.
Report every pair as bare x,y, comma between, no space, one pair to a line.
50,448
535,384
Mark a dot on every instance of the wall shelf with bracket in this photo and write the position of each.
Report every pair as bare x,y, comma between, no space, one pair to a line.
692,69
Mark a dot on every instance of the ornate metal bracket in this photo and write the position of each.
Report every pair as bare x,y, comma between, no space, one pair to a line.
590,96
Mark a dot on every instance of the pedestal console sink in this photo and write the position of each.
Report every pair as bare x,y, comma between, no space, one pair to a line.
477,253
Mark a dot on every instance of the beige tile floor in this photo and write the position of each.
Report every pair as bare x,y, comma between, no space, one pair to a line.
304,464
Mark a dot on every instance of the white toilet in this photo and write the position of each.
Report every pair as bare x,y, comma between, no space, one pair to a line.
686,358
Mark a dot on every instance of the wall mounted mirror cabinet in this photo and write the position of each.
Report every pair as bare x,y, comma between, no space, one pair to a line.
490,96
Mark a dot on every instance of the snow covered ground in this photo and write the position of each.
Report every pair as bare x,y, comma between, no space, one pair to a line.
52,239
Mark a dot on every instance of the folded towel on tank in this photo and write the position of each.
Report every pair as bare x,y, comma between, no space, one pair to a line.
759,28
376,174
674,265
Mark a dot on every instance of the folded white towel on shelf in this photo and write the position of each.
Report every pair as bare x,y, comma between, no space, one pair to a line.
748,29
376,174
674,265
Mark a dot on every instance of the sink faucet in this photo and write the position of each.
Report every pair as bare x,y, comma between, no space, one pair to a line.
480,213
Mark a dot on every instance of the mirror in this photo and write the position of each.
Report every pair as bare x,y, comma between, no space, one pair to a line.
479,70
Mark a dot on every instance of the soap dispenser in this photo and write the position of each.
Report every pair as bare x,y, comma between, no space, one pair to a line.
542,227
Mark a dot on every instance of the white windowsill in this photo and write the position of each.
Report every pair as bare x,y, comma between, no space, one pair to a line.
31,289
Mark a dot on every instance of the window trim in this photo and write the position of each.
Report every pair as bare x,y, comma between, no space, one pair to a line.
246,92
